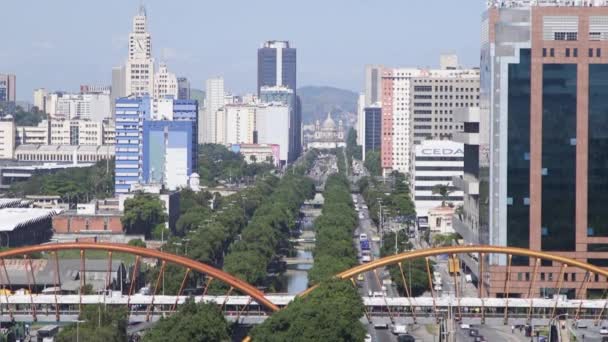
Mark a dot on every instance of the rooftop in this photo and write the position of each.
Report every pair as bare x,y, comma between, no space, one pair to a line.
14,218
547,3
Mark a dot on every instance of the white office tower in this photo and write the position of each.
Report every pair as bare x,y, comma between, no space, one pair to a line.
118,89
240,123
39,99
90,106
139,71
361,120
220,126
214,101
165,83
436,162
272,126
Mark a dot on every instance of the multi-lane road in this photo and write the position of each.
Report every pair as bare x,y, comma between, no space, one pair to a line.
370,283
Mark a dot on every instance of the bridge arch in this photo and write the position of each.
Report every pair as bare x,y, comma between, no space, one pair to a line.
453,250
189,264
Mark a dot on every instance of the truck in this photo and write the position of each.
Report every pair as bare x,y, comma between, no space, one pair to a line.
364,245
453,265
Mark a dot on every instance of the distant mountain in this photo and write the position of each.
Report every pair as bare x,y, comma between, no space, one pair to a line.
318,100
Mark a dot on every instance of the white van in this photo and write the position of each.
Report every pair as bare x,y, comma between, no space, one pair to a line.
399,329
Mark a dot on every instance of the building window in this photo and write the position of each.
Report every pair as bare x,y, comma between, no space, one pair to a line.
590,52
544,52
575,52
567,52
552,52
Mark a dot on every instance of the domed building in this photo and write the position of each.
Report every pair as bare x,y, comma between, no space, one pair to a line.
328,135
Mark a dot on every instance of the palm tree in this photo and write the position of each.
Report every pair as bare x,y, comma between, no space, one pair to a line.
444,191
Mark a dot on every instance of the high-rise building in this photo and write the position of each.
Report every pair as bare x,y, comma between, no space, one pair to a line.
373,84
436,162
277,66
139,70
165,83
8,88
214,101
361,120
543,91
183,88
90,106
240,123
39,99
418,104
372,134
8,137
155,150
272,126
119,83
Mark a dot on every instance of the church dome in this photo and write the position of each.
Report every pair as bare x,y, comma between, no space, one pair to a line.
329,123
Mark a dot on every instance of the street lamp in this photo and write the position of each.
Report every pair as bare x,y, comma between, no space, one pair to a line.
77,329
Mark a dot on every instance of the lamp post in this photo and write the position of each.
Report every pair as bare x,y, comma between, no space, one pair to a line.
78,330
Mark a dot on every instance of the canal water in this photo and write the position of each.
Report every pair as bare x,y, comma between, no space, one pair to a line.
297,275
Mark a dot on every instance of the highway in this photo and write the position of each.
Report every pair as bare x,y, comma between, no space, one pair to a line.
370,283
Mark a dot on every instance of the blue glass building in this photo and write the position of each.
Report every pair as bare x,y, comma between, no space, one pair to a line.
145,146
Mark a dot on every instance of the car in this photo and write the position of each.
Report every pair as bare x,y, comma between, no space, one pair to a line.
399,329
473,332
604,331
406,338
380,326
465,326
480,339
368,338
362,237
437,287
360,277
366,258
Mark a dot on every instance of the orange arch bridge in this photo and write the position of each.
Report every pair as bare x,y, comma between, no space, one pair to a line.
189,264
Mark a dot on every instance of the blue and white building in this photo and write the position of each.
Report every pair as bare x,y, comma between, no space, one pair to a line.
155,146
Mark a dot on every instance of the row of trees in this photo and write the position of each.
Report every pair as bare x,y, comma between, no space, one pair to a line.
72,185
268,232
334,250
217,164
395,202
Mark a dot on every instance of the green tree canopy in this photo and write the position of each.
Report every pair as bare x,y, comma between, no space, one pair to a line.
193,322
101,324
372,162
329,313
142,214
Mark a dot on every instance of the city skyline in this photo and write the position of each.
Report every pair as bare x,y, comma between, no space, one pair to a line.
229,53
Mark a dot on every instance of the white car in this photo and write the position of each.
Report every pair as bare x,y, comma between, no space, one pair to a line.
368,338
362,237
604,331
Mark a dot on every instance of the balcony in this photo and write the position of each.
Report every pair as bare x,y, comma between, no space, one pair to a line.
466,138
469,185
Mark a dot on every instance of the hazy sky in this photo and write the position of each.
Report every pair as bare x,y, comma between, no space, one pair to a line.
61,44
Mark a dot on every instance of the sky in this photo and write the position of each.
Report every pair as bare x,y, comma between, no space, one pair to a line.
61,44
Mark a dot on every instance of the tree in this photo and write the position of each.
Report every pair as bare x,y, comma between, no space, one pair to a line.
329,313
101,324
372,162
352,149
142,214
28,118
444,191
193,322
137,243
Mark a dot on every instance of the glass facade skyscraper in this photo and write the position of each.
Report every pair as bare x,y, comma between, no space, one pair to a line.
277,67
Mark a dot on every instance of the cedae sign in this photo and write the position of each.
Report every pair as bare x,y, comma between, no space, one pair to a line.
442,151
